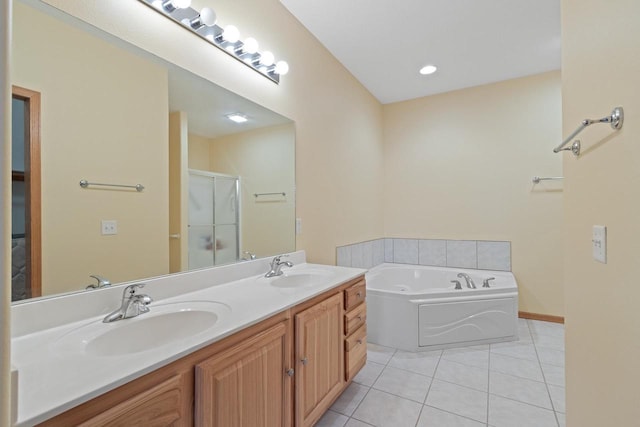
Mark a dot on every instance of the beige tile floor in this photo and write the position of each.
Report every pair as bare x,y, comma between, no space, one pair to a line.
515,384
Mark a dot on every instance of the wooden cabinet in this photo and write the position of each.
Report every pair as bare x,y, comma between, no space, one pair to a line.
320,359
355,330
249,379
246,385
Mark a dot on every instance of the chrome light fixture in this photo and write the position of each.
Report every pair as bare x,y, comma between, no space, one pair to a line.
227,39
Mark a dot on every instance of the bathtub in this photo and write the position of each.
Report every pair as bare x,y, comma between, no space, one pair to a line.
416,308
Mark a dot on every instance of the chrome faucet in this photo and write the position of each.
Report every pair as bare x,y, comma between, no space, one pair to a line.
102,282
276,266
469,280
132,304
485,283
250,256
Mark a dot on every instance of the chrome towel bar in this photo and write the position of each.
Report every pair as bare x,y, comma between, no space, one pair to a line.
616,119
270,194
85,184
537,179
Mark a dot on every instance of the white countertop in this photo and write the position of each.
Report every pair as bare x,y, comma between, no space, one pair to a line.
52,380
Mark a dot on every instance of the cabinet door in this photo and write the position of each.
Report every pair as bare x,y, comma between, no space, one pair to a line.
320,359
162,405
246,385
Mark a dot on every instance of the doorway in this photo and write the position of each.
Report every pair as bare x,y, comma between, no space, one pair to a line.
26,265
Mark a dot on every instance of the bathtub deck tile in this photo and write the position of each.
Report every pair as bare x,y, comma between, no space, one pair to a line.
494,255
388,250
433,252
405,251
343,256
462,254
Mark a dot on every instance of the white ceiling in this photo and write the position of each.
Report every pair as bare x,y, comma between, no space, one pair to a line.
207,105
384,43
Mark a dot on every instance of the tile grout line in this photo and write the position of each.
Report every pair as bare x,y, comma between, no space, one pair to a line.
488,383
371,386
555,413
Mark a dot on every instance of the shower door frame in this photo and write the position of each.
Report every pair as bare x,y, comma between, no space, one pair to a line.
238,207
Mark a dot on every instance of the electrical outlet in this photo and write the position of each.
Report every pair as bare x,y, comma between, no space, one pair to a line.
109,227
599,243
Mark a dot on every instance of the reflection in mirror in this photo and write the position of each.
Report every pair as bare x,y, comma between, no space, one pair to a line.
114,114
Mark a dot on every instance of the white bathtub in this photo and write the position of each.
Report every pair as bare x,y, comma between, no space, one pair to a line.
416,308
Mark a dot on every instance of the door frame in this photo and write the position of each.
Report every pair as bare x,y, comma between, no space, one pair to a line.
32,177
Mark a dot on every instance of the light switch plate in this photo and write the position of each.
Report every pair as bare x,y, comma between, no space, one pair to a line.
109,227
599,243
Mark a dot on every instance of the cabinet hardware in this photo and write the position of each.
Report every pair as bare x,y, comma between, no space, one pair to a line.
304,361
290,372
359,342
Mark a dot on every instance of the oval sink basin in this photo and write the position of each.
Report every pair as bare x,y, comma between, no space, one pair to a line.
164,324
302,279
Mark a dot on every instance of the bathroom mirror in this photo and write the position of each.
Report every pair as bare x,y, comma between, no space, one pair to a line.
111,113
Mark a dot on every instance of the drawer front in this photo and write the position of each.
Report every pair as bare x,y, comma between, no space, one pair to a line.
356,352
355,318
357,339
354,295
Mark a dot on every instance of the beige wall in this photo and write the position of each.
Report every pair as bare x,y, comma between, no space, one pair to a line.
264,159
199,153
459,166
104,119
338,123
600,69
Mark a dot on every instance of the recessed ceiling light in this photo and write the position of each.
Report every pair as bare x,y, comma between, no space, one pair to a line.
428,69
237,117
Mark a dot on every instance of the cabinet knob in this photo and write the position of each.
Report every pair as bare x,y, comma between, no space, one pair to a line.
290,372
359,295
359,341
359,318
304,361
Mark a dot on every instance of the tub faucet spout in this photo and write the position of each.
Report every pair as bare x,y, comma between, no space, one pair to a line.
468,279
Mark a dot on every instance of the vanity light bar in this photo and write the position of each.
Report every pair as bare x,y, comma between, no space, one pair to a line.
226,39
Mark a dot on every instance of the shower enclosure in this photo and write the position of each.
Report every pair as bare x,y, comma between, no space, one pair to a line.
214,219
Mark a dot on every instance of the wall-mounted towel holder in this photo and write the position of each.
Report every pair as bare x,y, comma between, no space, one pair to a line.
85,184
537,179
616,119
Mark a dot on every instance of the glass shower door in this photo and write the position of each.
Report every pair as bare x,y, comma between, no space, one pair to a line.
214,229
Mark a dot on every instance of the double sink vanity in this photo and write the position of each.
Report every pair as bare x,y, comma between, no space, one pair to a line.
224,346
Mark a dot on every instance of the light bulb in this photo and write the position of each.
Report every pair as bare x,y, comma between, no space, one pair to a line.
181,4
266,58
282,68
250,45
231,34
428,69
208,16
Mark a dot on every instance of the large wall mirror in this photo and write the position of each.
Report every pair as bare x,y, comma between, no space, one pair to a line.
110,113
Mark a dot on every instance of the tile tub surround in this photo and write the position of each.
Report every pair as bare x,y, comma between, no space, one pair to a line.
478,386
476,254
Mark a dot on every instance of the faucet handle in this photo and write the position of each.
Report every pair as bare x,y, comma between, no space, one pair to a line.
458,285
132,288
485,283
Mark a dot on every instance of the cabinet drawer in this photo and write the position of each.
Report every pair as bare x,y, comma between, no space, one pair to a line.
356,352
355,318
357,339
354,295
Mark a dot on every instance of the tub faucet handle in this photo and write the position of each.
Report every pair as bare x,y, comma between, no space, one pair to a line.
485,283
458,285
